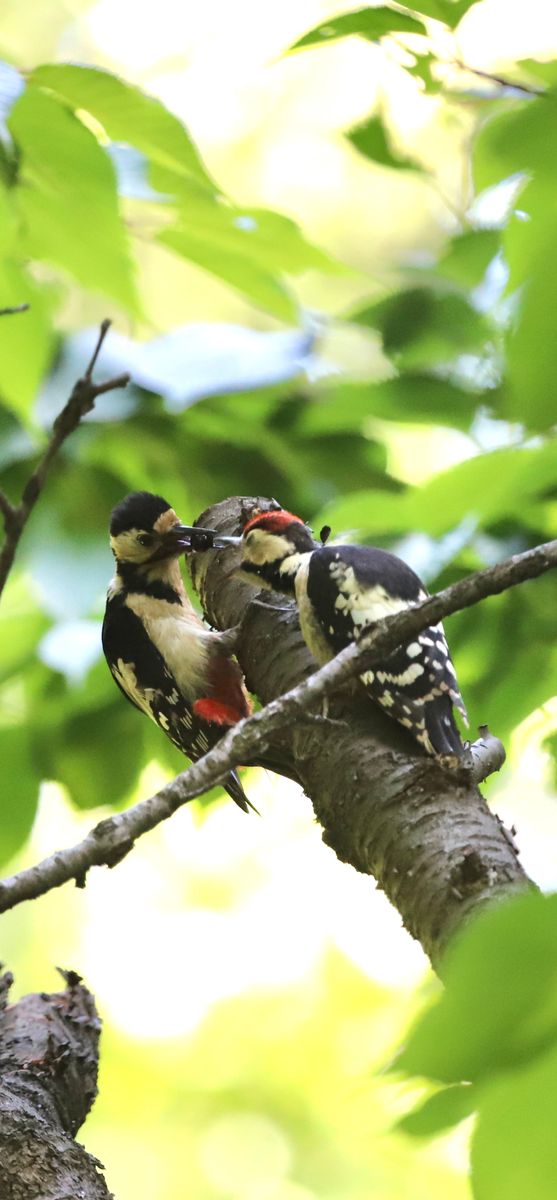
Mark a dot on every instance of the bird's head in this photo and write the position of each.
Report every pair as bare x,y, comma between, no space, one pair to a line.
144,530
272,543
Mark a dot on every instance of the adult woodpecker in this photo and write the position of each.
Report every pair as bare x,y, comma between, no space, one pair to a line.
160,653
341,591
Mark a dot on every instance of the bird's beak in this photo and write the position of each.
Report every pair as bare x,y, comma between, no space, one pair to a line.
221,540
177,539
185,538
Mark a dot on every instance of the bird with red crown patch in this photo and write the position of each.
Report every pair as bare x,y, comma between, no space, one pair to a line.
341,591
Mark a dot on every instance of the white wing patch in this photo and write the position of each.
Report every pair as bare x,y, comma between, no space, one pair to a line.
124,674
404,679
365,605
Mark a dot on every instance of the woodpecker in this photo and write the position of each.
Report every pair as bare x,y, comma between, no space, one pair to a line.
340,592
160,653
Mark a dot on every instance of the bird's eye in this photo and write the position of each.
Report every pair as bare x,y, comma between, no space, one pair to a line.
144,539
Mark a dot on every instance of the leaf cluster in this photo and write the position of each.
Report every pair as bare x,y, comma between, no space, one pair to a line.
91,168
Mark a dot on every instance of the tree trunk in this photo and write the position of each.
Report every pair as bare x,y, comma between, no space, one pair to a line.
422,831
49,1049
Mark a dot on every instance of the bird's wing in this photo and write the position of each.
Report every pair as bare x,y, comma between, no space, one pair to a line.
361,585
145,679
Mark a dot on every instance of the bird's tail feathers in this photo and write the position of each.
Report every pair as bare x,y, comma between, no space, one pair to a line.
236,791
441,727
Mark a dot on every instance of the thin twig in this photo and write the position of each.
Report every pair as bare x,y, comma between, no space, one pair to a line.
81,401
112,839
6,509
13,309
500,80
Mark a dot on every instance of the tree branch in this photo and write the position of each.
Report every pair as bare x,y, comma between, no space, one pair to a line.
395,755
500,80
6,508
81,402
49,1052
12,309
487,755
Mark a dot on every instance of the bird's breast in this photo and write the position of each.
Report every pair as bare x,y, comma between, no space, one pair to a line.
180,638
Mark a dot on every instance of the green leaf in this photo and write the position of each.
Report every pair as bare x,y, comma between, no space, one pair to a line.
544,72
129,115
68,199
261,287
244,247
370,139
421,328
421,69
16,443
550,746
521,138
431,8
514,1148
467,257
450,12
20,792
500,1004
409,397
8,220
532,351
22,625
445,1108
369,23
26,339
267,238
99,755
486,489
525,140
502,688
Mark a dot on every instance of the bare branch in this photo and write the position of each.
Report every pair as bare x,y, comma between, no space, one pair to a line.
500,80
13,309
6,509
81,401
113,838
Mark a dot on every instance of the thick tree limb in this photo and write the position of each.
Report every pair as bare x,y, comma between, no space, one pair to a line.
49,1048
421,829
81,401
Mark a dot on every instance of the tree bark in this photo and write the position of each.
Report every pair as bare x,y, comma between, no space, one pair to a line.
424,832
49,1047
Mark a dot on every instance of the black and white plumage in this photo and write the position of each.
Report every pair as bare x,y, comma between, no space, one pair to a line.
161,655
341,591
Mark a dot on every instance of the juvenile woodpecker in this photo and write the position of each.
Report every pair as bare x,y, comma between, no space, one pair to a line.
340,592
160,653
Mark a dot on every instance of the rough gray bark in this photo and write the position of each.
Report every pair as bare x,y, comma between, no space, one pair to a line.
49,1047
423,832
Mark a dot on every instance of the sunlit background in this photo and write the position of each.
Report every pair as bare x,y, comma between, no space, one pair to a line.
253,988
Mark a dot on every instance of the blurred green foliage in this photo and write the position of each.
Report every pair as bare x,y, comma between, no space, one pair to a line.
496,1027
91,167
